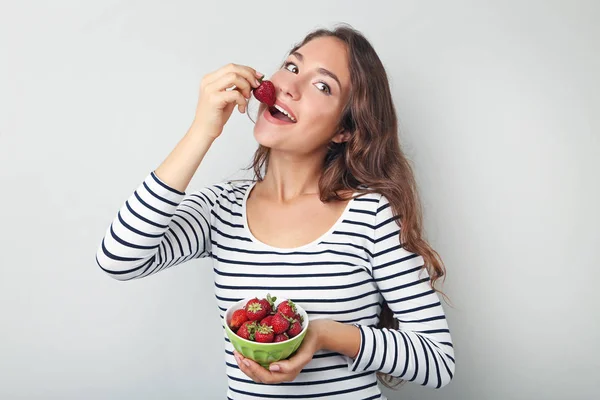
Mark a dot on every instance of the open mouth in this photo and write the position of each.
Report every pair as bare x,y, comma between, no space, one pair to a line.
280,115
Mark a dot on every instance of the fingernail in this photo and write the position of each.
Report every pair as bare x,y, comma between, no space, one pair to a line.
246,363
274,368
259,75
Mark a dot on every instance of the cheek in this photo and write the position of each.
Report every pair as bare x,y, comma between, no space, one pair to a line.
321,110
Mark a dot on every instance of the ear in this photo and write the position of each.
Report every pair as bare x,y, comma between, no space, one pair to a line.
341,136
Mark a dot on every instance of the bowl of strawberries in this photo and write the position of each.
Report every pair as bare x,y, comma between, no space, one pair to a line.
266,329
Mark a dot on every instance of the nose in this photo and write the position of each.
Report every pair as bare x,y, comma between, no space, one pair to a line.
289,88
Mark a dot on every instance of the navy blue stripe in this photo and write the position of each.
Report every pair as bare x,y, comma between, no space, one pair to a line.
146,220
281,263
215,229
408,271
411,310
115,257
217,216
389,235
437,365
128,244
164,200
302,396
372,352
362,348
415,296
311,253
396,351
385,354
283,276
405,353
306,383
383,207
148,206
136,231
426,355
417,321
406,285
273,287
169,188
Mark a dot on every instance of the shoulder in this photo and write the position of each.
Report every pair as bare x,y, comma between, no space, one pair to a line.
234,190
377,204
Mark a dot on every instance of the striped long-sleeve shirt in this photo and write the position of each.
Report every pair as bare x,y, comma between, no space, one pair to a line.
344,275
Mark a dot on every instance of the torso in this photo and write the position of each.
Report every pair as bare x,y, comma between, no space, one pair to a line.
291,225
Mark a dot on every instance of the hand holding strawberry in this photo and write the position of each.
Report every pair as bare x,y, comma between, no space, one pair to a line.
217,99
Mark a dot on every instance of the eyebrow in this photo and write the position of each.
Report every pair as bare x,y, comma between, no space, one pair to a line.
321,70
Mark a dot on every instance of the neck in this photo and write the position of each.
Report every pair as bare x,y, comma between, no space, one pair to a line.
290,176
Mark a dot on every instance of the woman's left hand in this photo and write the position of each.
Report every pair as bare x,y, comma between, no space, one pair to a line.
284,370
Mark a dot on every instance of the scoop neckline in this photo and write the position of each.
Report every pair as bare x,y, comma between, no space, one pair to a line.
315,242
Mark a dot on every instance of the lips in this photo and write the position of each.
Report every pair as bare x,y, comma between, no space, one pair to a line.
280,105
277,119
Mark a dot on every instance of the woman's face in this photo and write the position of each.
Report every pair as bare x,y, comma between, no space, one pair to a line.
313,85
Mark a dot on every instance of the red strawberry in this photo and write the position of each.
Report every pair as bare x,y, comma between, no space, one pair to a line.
237,319
280,324
268,321
295,329
287,308
268,303
299,318
264,334
247,330
281,337
265,93
254,310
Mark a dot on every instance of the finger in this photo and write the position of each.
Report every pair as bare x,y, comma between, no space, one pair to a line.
223,99
246,369
249,73
231,81
284,367
258,371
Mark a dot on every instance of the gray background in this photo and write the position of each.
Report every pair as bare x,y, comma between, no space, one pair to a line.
499,110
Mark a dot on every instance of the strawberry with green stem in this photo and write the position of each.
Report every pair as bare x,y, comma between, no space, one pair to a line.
268,303
247,330
264,334
255,311
287,308
295,329
280,323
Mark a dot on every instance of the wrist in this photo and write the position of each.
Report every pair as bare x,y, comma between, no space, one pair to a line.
198,130
338,337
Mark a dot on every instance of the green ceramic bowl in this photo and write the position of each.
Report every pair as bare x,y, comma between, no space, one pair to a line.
265,353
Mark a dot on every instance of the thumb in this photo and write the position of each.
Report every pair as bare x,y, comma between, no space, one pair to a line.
275,368
282,366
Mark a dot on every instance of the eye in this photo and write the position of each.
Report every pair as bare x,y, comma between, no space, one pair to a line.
325,88
287,64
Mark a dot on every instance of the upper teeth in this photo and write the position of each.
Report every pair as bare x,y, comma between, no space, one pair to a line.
285,112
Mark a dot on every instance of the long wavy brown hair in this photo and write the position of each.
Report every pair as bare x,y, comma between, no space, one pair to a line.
372,156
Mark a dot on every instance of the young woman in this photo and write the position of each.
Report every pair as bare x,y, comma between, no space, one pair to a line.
333,223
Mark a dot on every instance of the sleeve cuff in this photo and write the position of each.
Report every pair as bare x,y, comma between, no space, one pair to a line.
157,186
357,364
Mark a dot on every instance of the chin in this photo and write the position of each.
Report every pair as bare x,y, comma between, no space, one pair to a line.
266,137
267,134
